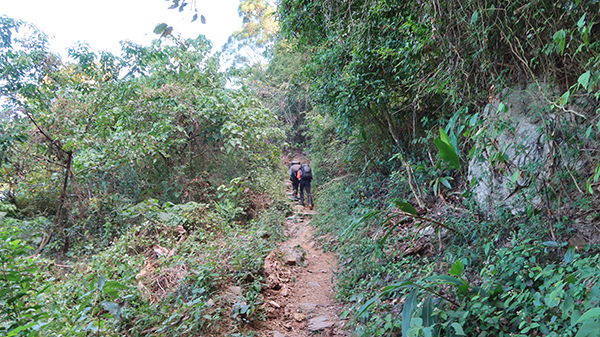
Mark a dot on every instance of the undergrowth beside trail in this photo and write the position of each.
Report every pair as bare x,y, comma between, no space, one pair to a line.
502,277
178,270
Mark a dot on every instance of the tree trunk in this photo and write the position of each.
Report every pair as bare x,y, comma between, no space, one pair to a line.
61,206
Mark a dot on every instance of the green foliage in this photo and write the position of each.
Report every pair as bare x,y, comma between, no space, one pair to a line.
448,152
489,281
259,30
128,288
151,162
169,129
98,310
152,182
396,70
385,77
20,312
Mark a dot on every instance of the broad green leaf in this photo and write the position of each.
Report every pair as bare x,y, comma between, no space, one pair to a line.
564,98
354,224
581,21
584,79
113,308
574,317
560,38
160,28
590,328
571,279
444,136
445,182
366,306
473,119
502,107
427,314
111,287
15,298
15,332
458,330
515,176
167,31
592,313
405,207
13,276
93,326
552,300
448,154
550,244
454,141
457,268
446,279
463,289
472,152
409,306
568,305
86,295
101,282
474,17
588,133
569,255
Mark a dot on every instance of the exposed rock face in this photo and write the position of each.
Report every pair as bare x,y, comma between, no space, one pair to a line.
519,151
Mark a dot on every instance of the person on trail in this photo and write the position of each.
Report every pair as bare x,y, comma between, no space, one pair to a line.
295,166
304,175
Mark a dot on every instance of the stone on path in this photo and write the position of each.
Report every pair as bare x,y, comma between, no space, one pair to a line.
293,257
314,284
235,291
307,307
319,323
299,317
278,334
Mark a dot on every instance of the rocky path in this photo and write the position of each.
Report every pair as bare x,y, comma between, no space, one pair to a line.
299,300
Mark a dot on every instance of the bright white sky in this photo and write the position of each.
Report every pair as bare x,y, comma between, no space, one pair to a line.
103,23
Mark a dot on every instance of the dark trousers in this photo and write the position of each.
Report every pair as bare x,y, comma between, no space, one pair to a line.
295,183
305,184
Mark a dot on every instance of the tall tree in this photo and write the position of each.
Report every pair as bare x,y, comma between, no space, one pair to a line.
118,140
246,47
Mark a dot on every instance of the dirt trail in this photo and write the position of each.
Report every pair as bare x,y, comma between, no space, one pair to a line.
299,300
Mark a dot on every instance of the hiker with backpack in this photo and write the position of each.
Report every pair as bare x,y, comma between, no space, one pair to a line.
295,166
304,176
